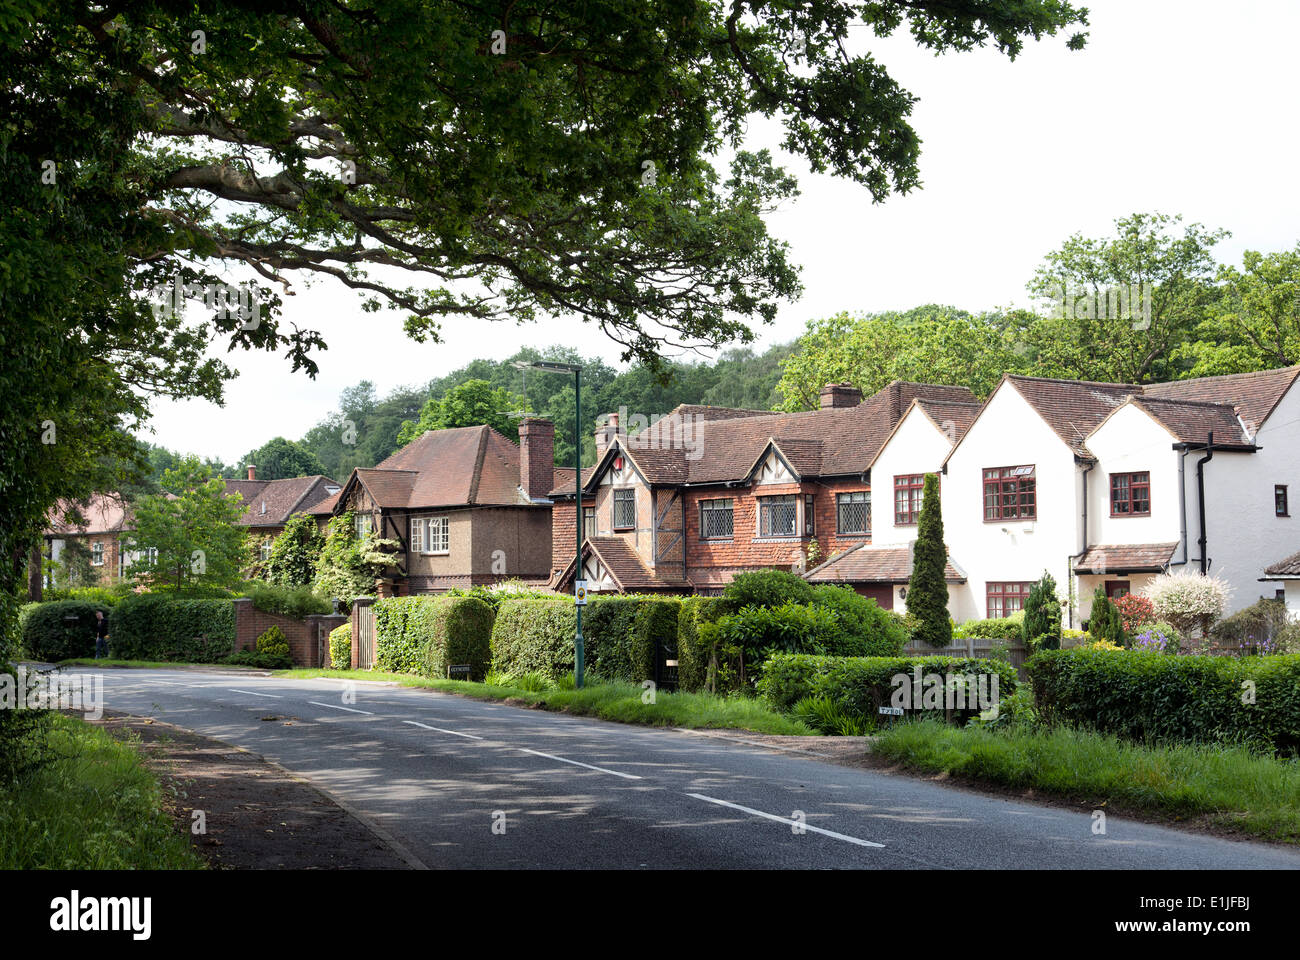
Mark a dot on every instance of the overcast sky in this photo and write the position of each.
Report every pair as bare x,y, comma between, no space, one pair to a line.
1177,106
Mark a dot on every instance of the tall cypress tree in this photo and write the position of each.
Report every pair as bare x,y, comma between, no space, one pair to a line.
927,591
1105,623
1043,613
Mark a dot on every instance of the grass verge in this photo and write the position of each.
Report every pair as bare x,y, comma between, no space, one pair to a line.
93,806
620,702
1231,788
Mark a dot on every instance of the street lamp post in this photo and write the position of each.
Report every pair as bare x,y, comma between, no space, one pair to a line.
579,584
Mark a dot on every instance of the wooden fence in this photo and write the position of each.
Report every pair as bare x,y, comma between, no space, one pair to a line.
1014,650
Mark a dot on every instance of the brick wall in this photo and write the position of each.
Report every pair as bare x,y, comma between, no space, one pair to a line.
304,648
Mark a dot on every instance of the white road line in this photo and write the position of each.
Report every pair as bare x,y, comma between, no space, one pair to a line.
467,736
578,763
786,820
368,713
167,683
254,693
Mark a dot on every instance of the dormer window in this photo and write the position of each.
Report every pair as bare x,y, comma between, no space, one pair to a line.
264,506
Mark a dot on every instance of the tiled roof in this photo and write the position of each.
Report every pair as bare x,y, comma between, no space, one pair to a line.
282,498
868,564
1192,421
953,414
1254,395
1284,569
624,564
1125,558
1072,408
690,447
102,512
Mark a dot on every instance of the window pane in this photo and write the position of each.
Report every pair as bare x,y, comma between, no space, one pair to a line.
624,508
777,517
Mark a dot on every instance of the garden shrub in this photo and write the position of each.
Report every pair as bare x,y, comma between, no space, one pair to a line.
867,630
994,628
1043,614
859,686
341,647
295,602
927,590
1149,696
766,588
157,626
1263,627
1189,600
1135,611
534,636
272,643
47,636
1104,620
426,634
697,666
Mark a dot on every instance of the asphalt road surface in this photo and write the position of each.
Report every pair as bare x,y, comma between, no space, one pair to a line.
458,783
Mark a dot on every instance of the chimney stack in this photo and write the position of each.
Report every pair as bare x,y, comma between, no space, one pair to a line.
840,395
252,472
607,433
536,457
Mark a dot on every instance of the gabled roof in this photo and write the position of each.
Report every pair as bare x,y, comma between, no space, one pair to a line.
1072,408
282,498
688,446
102,512
869,564
458,467
950,417
1192,421
624,565
1288,569
1253,395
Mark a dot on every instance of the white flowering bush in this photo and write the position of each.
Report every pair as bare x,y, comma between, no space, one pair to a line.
1187,600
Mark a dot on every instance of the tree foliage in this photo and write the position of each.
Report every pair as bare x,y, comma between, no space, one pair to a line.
1043,613
279,458
927,590
1104,622
467,404
187,536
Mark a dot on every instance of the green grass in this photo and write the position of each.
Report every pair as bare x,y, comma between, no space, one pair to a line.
144,664
95,806
1230,787
620,702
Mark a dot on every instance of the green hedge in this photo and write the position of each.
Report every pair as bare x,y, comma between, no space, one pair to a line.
534,635
158,626
46,636
341,647
295,602
426,634
621,635
861,685
1154,696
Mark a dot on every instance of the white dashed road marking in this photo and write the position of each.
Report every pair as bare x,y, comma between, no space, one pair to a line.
786,820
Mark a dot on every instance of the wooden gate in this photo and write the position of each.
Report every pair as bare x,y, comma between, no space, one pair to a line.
363,632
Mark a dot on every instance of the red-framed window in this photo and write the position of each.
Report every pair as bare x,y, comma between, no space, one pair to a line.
907,498
1130,494
1006,597
1010,493
1280,505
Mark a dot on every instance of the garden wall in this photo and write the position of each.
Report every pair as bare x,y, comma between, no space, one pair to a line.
308,638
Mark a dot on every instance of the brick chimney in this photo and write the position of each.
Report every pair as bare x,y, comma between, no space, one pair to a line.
606,433
252,472
536,457
840,395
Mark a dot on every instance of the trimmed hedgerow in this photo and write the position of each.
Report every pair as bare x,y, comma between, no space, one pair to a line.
534,635
425,635
48,636
1150,696
156,626
696,667
859,686
341,647
867,630
766,588
622,634
295,602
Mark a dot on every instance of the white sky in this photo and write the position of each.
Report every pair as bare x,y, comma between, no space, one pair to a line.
1180,106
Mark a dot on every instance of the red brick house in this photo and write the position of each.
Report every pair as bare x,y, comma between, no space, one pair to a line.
707,492
466,505
107,518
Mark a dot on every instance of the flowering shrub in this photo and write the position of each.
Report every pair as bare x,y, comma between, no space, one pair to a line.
1135,611
1151,639
1101,645
1187,600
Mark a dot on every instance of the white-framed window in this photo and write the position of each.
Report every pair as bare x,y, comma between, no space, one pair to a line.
266,550
97,554
362,524
151,555
431,535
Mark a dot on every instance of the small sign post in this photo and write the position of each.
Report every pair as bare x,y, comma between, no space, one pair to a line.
462,670
891,713
580,592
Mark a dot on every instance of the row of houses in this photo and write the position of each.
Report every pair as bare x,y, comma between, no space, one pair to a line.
1096,483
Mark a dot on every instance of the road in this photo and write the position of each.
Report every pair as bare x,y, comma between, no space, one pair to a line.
458,783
